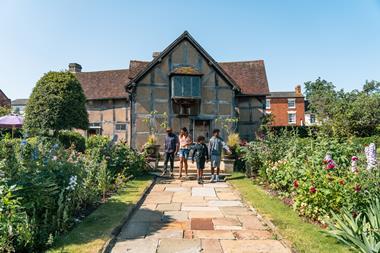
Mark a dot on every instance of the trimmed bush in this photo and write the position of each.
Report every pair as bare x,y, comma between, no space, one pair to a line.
71,138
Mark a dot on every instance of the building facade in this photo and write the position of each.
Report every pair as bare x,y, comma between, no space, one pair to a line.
183,85
286,107
4,100
19,105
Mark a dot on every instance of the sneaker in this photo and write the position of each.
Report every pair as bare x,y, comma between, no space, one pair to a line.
163,173
217,178
212,180
199,181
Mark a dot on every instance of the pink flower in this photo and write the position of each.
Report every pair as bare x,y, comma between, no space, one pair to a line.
354,158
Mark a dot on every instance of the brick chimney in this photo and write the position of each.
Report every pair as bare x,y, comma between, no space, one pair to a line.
298,91
75,67
155,54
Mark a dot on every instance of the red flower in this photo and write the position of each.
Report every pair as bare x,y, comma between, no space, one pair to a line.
312,189
295,184
341,182
330,166
357,188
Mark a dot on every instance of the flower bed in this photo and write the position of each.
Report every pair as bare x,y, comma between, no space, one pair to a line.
317,174
45,189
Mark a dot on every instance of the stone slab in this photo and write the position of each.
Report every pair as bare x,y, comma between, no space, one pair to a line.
200,208
169,207
144,215
253,235
227,196
179,246
252,222
253,246
203,192
166,233
134,230
211,246
213,234
177,189
176,215
201,224
217,185
204,214
136,246
225,203
235,211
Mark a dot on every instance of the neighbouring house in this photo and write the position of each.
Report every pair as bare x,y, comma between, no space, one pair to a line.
183,82
18,106
310,117
4,100
286,107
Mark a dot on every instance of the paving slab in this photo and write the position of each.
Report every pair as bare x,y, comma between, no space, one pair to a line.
136,246
225,203
166,233
252,222
177,189
201,224
176,215
227,196
213,234
200,208
253,235
235,211
169,207
253,246
211,246
179,246
217,185
134,230
145,215
203,191
205,214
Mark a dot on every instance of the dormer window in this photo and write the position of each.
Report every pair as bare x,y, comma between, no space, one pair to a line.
186,86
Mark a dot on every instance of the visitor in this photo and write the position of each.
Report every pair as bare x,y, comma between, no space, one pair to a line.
216,146
200,154
184,150
171,148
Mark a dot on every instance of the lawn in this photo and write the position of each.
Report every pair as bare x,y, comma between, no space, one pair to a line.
303,236
96,229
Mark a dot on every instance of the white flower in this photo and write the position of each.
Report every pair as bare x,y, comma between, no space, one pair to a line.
370,153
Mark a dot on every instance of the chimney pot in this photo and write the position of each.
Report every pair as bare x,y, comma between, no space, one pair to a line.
75,67
155,54
298,90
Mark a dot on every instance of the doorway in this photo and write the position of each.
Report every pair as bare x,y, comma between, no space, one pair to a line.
201,127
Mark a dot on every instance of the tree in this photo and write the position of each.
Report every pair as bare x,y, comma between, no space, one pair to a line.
343,113
4,110
57,102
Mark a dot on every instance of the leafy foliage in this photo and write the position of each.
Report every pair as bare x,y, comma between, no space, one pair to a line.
343,113
361,232
45,188
4,110
57,103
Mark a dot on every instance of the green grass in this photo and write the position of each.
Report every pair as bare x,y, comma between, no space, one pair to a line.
95,230
303,236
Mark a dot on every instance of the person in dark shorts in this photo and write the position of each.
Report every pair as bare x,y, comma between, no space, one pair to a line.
200,154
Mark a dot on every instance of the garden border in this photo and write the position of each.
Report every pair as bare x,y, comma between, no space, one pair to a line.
272,227
107,247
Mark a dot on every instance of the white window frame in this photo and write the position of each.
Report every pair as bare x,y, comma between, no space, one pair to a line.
295,118
267,103
294,102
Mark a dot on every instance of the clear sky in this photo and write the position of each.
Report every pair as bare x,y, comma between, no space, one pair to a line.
299,40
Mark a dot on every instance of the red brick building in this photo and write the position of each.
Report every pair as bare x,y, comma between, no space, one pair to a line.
4,100
287,107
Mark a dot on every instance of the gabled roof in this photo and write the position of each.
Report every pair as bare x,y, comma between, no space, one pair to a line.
285,94
20,101
250,76
184,36
4,99
104,84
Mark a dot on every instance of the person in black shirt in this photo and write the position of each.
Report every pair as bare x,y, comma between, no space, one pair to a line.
200,154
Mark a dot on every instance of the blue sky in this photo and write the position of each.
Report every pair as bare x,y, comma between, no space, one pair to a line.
299,40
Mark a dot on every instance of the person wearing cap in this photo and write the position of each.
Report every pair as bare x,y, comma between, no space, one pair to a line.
171,148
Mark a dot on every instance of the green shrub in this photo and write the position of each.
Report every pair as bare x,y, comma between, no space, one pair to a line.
72,138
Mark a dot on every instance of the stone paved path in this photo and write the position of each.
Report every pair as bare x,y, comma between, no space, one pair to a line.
184,217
